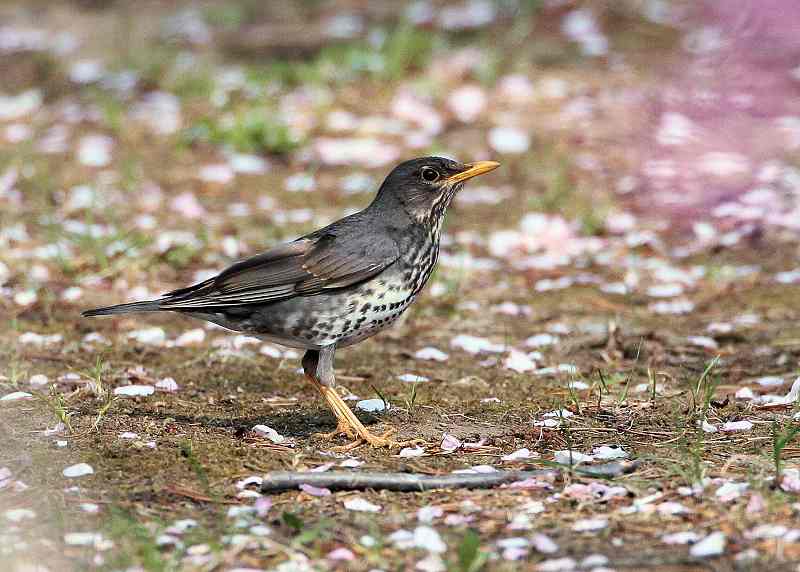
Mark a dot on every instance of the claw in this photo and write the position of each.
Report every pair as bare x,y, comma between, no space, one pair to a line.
348,424
378,441
341,429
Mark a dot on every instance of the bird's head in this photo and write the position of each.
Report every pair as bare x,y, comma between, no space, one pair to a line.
426,186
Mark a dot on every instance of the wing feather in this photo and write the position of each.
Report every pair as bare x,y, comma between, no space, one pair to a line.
305,267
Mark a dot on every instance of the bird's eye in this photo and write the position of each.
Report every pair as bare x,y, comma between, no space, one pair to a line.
429,175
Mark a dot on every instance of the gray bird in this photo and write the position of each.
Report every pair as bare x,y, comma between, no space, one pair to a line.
338,285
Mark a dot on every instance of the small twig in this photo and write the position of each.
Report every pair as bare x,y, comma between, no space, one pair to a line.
350,378
196,496
342,480
44,357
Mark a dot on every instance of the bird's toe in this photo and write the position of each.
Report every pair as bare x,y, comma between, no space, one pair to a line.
341,429
378,441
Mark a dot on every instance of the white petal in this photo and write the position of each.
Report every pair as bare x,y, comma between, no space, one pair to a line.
135,390
711,545
359,504
79,470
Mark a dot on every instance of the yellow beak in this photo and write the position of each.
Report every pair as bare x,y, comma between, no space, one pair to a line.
475,169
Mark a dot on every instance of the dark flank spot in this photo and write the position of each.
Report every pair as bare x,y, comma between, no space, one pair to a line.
297,333
365,308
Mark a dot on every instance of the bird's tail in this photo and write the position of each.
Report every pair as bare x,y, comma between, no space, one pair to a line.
145,306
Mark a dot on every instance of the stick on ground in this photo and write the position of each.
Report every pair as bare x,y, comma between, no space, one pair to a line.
343,480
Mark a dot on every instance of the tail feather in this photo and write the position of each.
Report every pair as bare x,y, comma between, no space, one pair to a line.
145,306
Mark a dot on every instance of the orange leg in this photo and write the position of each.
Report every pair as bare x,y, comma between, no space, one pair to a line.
350,425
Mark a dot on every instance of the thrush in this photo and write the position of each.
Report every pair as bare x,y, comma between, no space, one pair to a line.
338,285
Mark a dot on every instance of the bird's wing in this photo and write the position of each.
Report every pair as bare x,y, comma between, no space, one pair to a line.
304,267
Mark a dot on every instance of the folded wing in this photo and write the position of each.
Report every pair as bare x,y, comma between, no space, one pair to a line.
304,267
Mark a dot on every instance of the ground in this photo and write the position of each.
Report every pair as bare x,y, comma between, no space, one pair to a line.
577,310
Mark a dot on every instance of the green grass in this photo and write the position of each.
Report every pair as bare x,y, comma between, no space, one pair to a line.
228,16
561,190
688,461
247,131
704,390
392,55
136,545
470,556
57,403
188,454
411,399
780,440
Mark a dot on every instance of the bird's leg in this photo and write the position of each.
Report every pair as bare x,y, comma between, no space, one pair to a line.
342,427
318,366
314,368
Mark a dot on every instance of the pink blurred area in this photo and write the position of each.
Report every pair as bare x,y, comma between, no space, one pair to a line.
723,131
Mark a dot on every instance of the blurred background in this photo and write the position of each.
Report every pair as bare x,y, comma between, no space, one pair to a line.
143,142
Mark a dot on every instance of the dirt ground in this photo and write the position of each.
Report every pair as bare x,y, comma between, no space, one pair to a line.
629,333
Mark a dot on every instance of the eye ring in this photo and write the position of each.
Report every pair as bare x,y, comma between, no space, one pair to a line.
429,174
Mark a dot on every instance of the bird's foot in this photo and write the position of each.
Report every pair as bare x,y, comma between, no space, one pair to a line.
377,441
341,429
353,428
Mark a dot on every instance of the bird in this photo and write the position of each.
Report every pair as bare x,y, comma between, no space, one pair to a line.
336,286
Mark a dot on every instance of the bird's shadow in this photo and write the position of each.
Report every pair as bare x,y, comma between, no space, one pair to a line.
291,424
